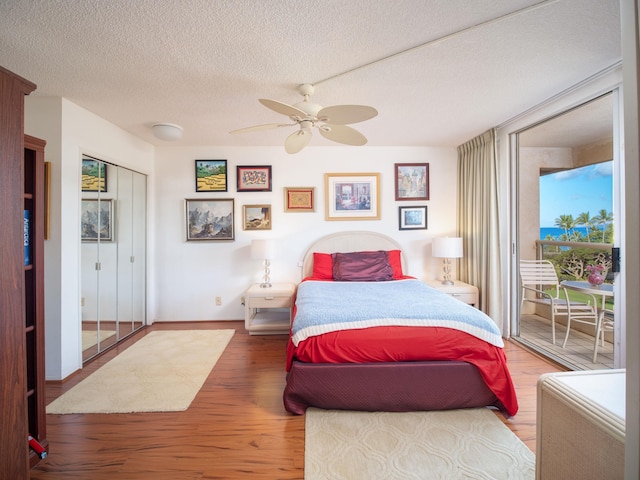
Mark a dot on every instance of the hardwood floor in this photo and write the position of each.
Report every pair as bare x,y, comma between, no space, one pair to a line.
235,428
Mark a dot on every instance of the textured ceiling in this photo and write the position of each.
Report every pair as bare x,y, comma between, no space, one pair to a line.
438,71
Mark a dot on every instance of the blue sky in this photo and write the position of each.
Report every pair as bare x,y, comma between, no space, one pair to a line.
572,192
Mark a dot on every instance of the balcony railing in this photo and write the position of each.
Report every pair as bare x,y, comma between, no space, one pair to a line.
540,246
548,249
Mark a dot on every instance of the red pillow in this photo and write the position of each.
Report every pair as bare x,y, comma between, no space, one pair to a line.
322,266
395,260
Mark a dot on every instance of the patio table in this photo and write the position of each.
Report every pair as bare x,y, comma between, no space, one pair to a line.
604,291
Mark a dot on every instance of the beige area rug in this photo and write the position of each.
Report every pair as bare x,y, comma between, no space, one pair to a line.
161,372
454,444
90,337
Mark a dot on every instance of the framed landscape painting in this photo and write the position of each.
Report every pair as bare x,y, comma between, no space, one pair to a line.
94,175
211,175
352,196
96,220
256,217
412,181
210,219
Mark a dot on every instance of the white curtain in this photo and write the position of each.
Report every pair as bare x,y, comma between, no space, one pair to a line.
478,221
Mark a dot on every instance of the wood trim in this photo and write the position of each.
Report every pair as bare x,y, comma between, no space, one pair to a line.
13,403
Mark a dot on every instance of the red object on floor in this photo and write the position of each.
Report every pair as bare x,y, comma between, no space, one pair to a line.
37,447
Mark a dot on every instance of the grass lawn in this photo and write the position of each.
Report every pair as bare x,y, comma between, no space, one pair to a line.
583,298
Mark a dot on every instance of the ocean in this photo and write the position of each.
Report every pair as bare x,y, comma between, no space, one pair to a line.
556,232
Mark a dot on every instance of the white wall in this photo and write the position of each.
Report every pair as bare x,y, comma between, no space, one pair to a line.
71,131
185,277
189,275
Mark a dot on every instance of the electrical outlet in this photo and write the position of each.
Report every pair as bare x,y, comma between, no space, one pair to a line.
218,301
82,302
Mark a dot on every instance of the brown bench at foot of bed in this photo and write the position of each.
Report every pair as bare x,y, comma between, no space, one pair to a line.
390,387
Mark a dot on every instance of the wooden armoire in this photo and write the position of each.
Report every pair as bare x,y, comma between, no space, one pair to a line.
21,283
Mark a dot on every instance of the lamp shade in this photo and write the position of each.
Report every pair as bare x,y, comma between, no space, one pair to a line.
262,249
447,247
167,131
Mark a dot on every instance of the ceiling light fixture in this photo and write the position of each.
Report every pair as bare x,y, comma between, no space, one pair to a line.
167,131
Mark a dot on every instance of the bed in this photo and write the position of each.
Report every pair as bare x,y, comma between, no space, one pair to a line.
365,336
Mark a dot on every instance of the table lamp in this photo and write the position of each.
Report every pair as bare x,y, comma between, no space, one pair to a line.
447,248
263,250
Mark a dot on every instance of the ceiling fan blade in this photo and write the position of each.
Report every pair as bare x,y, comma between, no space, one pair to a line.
282,108
267,126
346,114
297,141
343,134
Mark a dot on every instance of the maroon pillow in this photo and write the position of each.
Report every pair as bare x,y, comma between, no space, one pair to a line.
362,267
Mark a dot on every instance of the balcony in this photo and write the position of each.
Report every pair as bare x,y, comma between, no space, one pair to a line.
535,323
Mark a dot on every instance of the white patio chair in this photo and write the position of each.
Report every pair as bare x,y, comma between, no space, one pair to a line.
539,275
602,321
606,325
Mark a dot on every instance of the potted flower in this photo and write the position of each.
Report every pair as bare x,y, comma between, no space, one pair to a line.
595,277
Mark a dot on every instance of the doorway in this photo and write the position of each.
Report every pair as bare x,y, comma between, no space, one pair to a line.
562,224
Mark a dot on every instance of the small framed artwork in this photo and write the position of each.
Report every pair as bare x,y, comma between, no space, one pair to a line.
211,175
254,178
412,181
96,220
210,219
352,196
412,218
256,217
94,175
299,199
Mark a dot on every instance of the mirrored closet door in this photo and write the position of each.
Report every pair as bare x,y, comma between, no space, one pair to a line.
113,234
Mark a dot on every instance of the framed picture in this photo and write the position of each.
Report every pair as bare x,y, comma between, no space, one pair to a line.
352,196
256,217
96,220
210,219
211,175
254,178
94,175
412,181
299,199
412,218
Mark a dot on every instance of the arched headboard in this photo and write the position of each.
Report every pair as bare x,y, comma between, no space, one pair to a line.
355,241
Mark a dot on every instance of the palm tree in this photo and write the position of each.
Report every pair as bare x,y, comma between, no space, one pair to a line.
566,222
584,219
603,218
550,248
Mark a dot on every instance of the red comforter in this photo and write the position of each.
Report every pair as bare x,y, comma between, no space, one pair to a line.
406,344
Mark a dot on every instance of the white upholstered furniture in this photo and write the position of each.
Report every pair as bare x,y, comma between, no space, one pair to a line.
581,425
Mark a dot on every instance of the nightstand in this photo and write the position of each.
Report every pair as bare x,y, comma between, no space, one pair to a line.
462,291
267,311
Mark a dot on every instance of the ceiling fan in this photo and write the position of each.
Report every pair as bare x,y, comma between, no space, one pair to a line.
332,122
